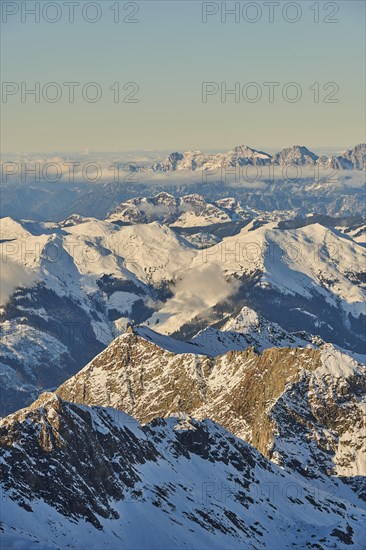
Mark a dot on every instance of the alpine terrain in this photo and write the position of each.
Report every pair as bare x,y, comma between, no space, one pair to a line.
182,358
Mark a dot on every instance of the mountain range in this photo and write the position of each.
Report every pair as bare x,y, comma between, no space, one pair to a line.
242,155
184,373
318,397
83,280
188,479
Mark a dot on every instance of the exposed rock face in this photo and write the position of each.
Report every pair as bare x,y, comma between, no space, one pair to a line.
335,163
92,277
178,212
42,436
351,159
74,476
357,156
242,155
161,208
296,406
298,154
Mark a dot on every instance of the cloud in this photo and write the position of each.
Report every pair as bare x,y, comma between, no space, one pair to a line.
100,168
198,291
157,210
13,276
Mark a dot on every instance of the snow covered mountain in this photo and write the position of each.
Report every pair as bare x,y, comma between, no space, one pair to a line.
172,483
229,326
248,329
299,278
196,160
74,286
71,289
303,408
296,155
242,155
187,211
357,156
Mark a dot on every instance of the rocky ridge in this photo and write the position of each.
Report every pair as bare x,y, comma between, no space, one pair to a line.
302,407
75,476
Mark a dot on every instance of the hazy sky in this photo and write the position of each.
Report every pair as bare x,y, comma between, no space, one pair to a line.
169,53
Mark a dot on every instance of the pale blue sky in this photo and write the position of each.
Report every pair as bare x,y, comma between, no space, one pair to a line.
169,53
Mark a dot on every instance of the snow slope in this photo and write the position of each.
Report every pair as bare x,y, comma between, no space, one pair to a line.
309,268
250,329
114,484
80,284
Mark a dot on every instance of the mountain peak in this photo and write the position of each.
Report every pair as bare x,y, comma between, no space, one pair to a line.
297,154
139,377
243,154
130,329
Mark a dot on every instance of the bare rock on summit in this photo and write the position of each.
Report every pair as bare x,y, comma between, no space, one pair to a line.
301,407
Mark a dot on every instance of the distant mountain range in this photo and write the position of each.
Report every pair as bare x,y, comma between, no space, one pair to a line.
295,179
242,155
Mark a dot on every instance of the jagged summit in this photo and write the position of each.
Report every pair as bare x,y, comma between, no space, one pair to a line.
188,210
297,154
256,396
356,156
108,275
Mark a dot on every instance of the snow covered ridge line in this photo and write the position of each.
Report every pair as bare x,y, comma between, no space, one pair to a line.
55,251
230,165
190,484
50,243
307,417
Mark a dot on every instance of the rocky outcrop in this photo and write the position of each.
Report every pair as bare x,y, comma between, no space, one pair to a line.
301,405
164,208
357,156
